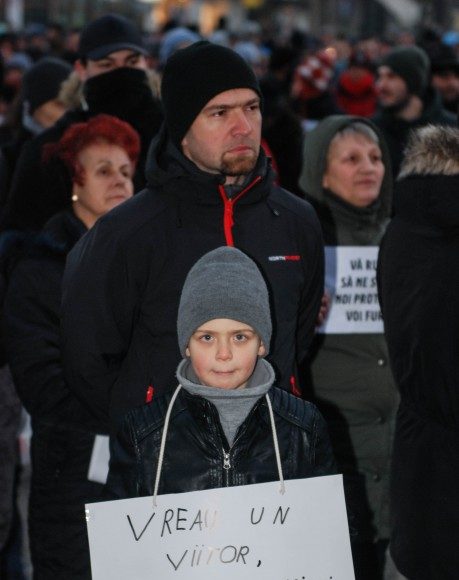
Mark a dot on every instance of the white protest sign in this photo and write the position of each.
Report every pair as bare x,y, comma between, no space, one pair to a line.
350,280
236,533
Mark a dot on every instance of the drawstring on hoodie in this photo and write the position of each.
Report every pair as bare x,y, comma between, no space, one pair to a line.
228,204
276,445
163,443
164,435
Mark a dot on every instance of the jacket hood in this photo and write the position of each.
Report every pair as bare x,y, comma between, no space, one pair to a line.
315,152
166,165
72,89
432,150
429,200
426,191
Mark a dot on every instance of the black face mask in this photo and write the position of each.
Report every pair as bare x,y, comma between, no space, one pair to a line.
125,93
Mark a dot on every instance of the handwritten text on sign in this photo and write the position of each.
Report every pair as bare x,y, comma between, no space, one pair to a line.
231,533
350,280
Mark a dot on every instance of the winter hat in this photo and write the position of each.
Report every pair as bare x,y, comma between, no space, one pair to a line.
196,74
108,34
224,283
42,82
174,40
444,59
313,75
412,64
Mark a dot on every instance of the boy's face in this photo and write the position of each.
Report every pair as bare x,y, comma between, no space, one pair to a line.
224,353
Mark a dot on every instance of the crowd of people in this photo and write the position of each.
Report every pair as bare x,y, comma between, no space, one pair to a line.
224,212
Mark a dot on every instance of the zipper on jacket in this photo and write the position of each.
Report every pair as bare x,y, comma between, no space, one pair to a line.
227,465
226,460
228,204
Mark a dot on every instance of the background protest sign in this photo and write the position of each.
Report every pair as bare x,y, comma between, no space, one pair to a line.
350,280
229,533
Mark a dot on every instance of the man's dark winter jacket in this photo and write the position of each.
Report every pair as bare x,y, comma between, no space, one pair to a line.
123,280
396,131
418,278
63,429
195,433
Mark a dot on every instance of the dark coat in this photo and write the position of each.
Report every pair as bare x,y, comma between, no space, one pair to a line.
418,278
123,280
32,323
63,429
396,131
349,375
195,433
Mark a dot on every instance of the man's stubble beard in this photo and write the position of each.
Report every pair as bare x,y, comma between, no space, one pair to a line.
398,106
238,166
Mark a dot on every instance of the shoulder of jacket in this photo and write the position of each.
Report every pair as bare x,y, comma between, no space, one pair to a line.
298,209
150,417
129,218
289,201
301,413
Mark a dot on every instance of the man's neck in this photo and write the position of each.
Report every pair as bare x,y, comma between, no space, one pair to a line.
412,110
235,180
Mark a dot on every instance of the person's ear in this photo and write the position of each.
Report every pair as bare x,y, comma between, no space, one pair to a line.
187,352
325,181
261,350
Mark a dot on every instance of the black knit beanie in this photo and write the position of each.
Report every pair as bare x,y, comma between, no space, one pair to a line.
42,82
224,283
412,64
196,74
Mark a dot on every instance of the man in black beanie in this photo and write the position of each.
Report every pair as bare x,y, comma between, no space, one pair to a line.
406,101
209,184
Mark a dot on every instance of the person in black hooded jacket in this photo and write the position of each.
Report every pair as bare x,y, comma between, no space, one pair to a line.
112,71
418,283
209,184
101,156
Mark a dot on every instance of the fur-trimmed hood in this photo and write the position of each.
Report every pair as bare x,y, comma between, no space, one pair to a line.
426,191
71,92
431,150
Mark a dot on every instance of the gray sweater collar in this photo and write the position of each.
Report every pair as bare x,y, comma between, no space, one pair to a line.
233,406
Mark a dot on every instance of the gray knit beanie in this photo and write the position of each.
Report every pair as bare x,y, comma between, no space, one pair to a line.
224,283
412,64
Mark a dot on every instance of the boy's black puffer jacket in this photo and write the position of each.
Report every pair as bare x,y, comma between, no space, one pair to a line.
195,435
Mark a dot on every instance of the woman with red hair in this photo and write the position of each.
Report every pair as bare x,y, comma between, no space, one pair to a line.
100,156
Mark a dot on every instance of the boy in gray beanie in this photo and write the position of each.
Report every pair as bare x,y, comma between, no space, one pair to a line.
229,425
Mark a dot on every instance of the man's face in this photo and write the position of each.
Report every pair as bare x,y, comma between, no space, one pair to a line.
117,59
225,136
392,89
447,84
